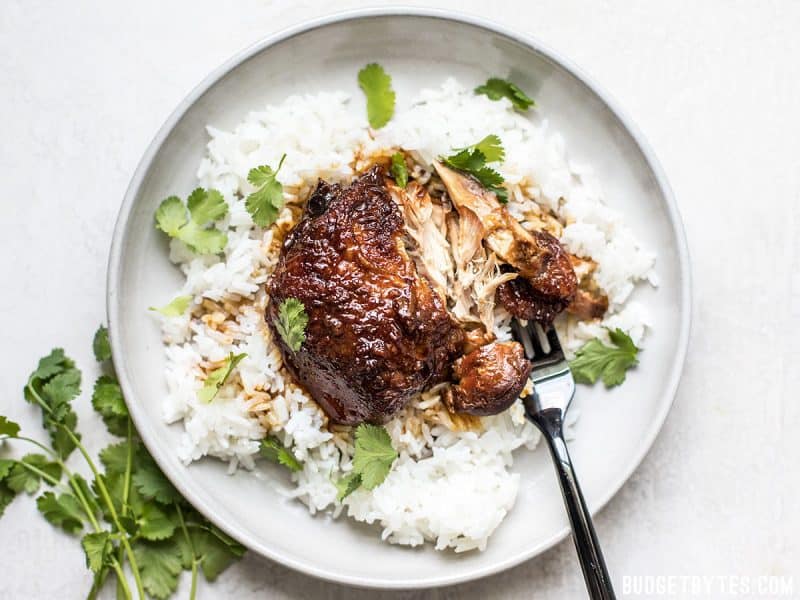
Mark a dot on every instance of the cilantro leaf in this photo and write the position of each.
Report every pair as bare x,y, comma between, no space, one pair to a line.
496,88
472,160
217,378
108,401
215,551
175,308
399,170
622,340
62,511
467,159
53,363
53,386
205,207
596,361
160,565
5,467
374,455
377,87
291,323
154,524
171,216
492,148
8,427
100,345
372,460
97,547
206,545
115,457
266,202
63,444
7,496
151,483
60,390
273,450
202,240
21,478
347,485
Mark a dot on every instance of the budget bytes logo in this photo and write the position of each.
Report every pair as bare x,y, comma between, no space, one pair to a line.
708,586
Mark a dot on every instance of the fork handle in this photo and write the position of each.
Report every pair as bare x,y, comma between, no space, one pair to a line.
550,422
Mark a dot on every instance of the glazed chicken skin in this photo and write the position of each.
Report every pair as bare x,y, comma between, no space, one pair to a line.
377,332
546,284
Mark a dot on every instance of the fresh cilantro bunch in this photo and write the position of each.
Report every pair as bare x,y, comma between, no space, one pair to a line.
377,87
473,160
128,514
196,229
372,460
596,361
496,88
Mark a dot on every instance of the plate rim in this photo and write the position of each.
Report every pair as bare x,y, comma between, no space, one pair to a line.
118,238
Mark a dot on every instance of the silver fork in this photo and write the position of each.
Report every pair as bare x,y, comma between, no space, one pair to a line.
553,389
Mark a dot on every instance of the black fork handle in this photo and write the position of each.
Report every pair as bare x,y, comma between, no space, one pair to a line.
550,422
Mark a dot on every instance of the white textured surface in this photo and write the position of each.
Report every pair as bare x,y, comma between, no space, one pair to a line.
713,85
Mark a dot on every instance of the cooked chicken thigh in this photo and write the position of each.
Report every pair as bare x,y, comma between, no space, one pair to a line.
377,332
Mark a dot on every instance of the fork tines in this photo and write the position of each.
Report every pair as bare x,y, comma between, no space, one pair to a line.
541,347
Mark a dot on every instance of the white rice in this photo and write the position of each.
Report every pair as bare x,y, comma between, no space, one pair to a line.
452,483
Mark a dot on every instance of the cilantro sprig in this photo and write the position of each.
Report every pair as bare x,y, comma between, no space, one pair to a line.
273,450
496,88
372,460
291,323
473,160
596,361
377,87
131,521
265,203
217,378
195,230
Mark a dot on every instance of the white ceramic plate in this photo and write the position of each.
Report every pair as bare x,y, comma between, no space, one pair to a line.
418,48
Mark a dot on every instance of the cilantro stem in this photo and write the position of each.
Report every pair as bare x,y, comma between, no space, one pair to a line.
126,485
193,591
208,530
99,578
39,472
97,582
70,475
84,503
121,580
35,443
101,486
128,467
